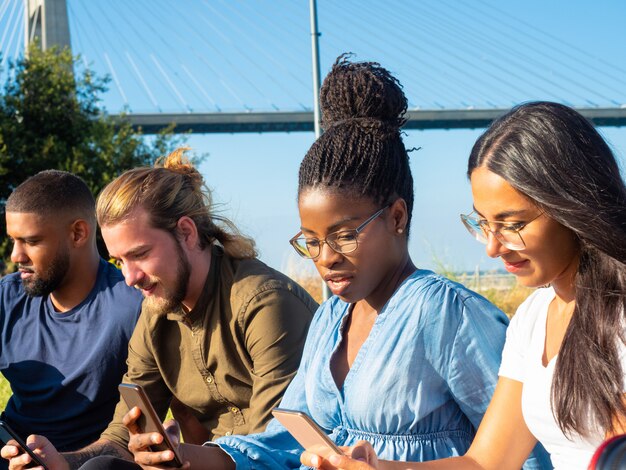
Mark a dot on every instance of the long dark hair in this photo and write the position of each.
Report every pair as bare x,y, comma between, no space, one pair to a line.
362,151
553,155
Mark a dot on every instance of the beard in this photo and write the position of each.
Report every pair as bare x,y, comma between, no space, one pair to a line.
173,297
50,279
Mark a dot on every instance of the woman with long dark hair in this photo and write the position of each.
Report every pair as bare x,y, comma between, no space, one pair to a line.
549,200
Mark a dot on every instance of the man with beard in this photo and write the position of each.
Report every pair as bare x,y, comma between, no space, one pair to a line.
220,332
66,316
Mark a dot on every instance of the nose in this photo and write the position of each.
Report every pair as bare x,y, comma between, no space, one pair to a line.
494,248
18,255
132,274
328,257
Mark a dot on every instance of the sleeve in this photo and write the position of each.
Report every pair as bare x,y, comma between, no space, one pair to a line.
475,355
518,337
275,447
142,370
274,325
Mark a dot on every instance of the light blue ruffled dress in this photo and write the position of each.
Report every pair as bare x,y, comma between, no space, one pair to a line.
418,387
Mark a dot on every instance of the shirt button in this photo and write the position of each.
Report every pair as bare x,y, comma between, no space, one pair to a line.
209,380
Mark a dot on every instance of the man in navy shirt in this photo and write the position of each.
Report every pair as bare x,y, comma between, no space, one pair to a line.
66,316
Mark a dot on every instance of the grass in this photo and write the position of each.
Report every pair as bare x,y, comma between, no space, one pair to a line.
5,392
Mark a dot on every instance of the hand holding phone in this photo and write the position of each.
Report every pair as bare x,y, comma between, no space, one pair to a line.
305,430
7,434
134,395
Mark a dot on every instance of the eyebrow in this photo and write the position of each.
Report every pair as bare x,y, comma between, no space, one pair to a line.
28,237
505,214
333,227
133,251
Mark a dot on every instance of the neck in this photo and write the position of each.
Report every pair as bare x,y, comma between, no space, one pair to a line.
78,282
200,261
565,285
377,300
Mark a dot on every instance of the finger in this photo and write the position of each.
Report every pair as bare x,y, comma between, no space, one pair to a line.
310,459
9,450
362,451
21,461
153,458
345,463
141,442
130,420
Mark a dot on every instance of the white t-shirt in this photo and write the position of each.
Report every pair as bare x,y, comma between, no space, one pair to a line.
522,361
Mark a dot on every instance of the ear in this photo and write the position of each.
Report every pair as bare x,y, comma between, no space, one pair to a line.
399,216
80,232
187,232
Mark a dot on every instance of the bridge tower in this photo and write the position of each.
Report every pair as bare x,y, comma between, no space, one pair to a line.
48,21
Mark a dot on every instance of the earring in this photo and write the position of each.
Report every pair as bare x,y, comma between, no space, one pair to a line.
399,230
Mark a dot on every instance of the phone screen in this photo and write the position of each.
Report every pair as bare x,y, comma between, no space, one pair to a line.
304,429
134,395
7,434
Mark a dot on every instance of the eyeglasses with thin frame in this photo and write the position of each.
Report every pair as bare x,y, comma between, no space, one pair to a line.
507,233
343,241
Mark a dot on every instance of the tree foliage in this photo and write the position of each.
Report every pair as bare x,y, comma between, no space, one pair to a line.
51,118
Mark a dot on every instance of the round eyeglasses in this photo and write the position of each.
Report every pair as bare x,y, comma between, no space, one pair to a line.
343,241
507,233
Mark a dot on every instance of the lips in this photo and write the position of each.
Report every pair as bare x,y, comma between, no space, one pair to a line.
146,289
25,273
338,283
515,267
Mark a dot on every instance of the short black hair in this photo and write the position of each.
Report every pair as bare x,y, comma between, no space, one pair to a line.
53,192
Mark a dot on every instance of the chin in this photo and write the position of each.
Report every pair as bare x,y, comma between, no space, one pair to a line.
531,281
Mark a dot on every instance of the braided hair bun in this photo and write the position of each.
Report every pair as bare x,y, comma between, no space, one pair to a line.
361,92
361,153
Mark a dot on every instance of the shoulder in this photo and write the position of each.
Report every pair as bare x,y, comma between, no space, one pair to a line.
11,288
253,280
14,302
427,289
529,311
11,282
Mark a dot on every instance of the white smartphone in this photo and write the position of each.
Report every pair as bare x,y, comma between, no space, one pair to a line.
304,429
134,395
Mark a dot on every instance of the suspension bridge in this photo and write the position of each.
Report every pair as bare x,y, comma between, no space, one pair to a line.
224,66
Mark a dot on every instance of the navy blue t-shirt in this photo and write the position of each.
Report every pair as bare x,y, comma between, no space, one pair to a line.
64,368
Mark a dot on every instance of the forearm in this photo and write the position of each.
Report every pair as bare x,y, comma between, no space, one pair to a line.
100,447
212,457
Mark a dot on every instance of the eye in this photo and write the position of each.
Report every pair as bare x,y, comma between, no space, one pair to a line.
345,237
514,227
312,242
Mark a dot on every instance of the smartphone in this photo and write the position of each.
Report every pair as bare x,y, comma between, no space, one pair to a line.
134,395
6,434
304,429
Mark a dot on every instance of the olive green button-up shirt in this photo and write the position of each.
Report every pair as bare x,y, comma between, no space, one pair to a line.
229,359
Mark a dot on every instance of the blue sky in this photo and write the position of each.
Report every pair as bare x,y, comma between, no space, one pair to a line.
253,54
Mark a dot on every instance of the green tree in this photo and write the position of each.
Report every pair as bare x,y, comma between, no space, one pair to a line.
51,118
